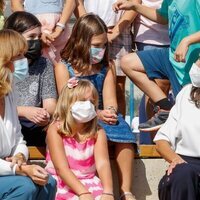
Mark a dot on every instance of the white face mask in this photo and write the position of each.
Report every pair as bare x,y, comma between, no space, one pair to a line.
195,75
83,111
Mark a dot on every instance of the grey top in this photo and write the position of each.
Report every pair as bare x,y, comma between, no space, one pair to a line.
38,85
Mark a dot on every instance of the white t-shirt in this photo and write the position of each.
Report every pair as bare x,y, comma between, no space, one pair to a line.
149,32
182,128
103,8
11,138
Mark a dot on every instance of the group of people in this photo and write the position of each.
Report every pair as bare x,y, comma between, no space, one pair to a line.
59,89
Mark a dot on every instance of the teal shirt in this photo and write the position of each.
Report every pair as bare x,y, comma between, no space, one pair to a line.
184,19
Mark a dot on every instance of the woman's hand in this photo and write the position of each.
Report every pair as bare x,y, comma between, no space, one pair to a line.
181,51
18,159
107,116
123,5
176,161
39,116
36,173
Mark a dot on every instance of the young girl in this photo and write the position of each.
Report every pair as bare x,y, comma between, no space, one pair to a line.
80,144
53,16
86,56
119,37
36,94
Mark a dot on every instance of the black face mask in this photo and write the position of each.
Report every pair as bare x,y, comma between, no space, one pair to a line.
34,49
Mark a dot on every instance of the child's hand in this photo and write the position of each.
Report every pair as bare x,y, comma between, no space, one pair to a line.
47,39
107,116
181,51
106,196
37,115
86,197
123,5
57,32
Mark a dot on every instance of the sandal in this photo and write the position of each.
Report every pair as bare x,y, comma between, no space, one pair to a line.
127,196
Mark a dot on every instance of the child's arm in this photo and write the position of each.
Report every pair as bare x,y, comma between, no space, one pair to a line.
103,165
80,9
58,156
147,12
17,5
181,50
108,114
61,76
68,8
127,18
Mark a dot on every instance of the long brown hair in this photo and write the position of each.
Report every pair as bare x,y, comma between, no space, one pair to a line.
77,49
195,96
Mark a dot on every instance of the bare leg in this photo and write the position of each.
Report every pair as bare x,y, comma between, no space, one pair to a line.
124,154
121,101
134,69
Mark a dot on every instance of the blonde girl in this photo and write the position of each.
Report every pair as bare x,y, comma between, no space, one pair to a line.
81,145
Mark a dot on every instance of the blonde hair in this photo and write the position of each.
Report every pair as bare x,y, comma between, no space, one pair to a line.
12,45
63,109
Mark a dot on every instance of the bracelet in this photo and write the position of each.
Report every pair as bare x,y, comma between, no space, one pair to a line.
106,193
111,108
84,193
61,25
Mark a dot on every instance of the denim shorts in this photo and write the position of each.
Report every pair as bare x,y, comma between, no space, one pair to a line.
120,132
157,66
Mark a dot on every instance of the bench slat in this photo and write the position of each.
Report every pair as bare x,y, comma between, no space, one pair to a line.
146,151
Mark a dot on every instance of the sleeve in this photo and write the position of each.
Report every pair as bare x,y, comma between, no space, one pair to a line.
48,82
163,11
5,168
20,144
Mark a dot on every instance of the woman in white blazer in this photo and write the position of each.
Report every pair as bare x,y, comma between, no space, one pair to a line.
20,180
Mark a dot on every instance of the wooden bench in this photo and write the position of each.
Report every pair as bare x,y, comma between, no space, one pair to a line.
146,151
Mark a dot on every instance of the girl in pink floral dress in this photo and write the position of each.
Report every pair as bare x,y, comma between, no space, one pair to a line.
77,147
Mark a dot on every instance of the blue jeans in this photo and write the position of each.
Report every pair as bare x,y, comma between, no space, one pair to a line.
22,188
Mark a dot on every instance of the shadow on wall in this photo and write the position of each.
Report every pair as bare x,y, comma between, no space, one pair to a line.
140,185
